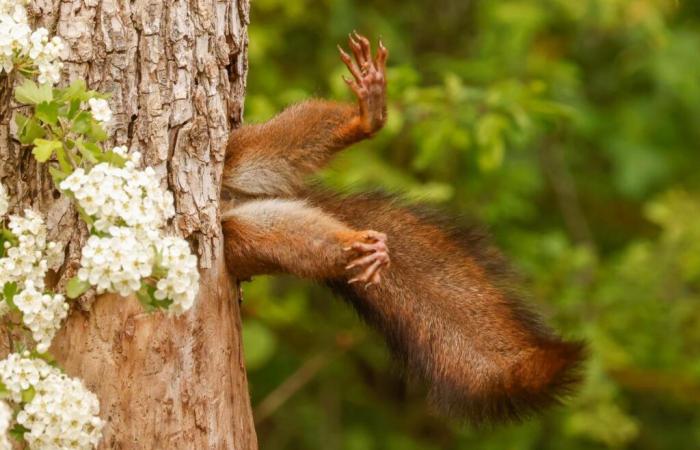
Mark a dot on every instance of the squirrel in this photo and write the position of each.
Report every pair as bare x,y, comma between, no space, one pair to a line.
439,295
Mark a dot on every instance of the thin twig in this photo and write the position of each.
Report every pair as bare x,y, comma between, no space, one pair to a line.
300,378
290,386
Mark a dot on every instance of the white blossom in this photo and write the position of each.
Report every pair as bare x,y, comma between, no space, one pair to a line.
62,414
122,151
4,201
30,259
181,282
128,207
116,263
19,373
14,32
100,110
46,55
19,44
117,196
41,313
5,421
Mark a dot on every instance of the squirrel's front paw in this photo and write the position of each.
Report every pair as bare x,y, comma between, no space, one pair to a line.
374,257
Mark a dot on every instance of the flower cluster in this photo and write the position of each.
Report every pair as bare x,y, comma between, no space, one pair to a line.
4,202
128,207
100,110
25,264
60,412
115,196
29,260
182,275
41,313
19,373
20,46
116,263
46,55
62,415
14,32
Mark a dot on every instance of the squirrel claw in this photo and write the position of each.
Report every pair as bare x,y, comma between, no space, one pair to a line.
375,257
368,81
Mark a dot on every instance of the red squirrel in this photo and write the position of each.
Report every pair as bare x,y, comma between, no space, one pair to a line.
438,294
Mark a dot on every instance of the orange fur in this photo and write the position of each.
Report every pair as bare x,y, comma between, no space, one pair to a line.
445,304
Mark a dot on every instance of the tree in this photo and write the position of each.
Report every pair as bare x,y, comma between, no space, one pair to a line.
176,72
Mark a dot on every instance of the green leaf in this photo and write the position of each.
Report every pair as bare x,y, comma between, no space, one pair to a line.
83,215
28,395
76,91
63,162
9,236
162,304
47,112
73,109
43,149
89,150
9,291
113,159
97,133
6,236
31,130
146,296
50,360
57,175
76,287
17,432
82,123
21,121
29,93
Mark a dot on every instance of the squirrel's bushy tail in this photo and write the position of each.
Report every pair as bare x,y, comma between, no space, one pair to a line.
450,318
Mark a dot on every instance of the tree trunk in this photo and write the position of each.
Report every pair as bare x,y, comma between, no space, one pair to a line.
176,71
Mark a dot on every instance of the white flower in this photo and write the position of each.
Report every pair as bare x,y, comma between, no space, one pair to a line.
116,196
4,201
121,151
181,283
19,45
5,421
119,262
29,259
46,55
62,414
19,373
14,32
116,263
100,110
41,313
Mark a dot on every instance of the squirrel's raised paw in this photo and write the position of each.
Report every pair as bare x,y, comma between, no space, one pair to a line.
374,257
368,80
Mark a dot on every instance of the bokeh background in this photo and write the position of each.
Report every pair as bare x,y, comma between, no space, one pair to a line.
569,128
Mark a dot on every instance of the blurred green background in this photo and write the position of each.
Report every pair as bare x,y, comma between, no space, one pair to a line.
570,128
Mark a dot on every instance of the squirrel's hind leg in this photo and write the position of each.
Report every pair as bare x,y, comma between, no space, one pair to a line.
289,236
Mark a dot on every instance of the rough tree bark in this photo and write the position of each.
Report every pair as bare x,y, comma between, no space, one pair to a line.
176,71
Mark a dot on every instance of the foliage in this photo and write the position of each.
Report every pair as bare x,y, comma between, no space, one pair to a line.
569,129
